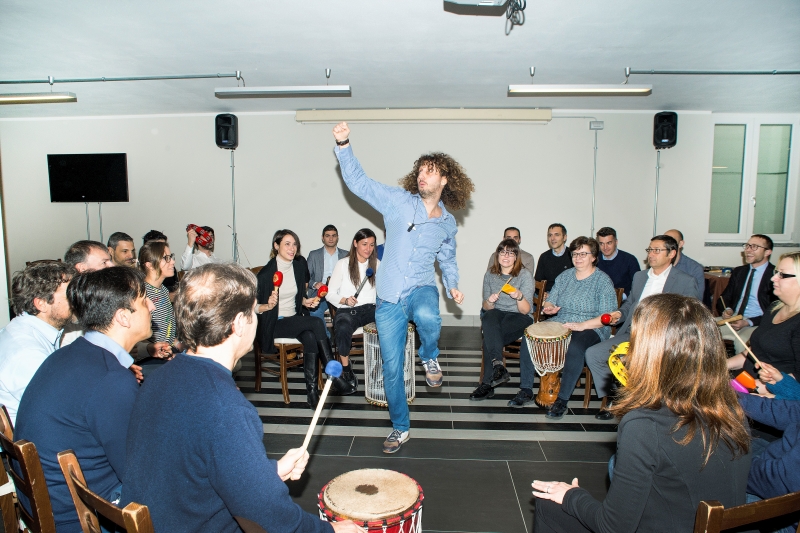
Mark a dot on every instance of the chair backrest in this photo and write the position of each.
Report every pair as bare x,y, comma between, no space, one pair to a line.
134,518
712,517
255,270
31,483
248,526
538,299
620,292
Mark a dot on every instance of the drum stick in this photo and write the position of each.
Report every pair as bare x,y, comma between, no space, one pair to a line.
723,321
746,347
333,369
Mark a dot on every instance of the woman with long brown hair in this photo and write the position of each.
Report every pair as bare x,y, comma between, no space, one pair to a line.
351,312
682,436
284,313
158,264
508,302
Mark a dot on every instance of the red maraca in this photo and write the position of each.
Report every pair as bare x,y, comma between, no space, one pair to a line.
605,318
322,291
277,279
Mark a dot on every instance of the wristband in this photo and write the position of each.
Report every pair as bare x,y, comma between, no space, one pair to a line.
521,296
343,143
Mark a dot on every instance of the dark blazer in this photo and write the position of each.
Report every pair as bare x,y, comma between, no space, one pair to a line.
265,333
735,290
316,267
678,282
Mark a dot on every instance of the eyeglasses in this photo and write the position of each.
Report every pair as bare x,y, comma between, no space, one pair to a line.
655,250
168,258
748,246
506,253
580,254
784,276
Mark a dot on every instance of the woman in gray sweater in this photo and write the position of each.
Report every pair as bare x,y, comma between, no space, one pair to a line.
508,302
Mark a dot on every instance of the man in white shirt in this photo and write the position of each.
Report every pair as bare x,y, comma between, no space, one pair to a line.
321,263
84,256
203,255
39,297
525,257
661,277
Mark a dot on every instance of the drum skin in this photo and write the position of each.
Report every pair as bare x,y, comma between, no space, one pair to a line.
375,499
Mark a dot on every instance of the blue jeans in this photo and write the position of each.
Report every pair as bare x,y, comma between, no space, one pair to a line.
421,307
319,312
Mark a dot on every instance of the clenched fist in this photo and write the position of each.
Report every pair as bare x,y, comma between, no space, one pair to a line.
341,131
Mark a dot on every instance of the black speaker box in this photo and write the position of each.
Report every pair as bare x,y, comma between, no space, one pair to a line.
665,130
226,127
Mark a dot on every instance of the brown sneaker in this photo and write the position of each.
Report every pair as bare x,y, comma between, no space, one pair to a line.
395,439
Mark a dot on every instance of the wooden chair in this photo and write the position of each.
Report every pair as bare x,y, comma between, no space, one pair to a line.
712,517
255,270
248,526
8,505
134,518
587,389
31,483
289,356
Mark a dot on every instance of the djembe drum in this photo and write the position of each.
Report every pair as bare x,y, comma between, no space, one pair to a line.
373,367
547,343
375,499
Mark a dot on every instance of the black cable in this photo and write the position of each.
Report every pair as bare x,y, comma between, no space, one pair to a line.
515,14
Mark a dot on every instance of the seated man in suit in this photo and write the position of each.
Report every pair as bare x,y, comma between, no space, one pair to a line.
200,462
527,259
555,260
749,291
320,266
81,398
661,277
687,264
618,264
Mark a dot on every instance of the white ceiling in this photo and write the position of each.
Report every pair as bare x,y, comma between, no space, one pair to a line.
404,53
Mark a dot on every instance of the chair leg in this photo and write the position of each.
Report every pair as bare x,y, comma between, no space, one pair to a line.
284,377
587,391
257,354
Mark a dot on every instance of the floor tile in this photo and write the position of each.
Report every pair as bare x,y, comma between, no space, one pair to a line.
489,450
579,451
280,443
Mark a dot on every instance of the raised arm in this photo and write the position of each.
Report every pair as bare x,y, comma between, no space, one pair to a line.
378,195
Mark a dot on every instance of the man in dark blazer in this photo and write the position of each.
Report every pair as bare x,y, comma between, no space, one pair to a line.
320,265
749,291
661,277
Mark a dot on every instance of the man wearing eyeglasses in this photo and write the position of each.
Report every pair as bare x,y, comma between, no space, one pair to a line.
749,291
661,277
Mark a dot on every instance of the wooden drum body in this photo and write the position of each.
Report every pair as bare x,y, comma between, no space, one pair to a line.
547,344
373,367
375,499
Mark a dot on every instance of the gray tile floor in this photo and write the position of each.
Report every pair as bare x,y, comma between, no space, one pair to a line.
474,460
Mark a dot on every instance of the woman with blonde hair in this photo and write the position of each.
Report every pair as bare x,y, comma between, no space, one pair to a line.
682,436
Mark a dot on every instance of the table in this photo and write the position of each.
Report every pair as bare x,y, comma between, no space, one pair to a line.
717,281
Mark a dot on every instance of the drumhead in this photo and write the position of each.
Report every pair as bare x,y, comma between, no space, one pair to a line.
371,494
547,330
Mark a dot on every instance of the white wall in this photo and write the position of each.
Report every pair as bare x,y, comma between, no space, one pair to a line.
286,176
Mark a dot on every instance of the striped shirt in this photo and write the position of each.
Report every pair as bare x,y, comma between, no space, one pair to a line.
163,318
413,241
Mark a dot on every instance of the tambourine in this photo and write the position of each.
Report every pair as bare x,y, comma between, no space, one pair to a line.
204,238
616,364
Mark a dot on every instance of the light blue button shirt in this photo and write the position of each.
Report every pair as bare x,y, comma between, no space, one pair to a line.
329,262
24,345
102,340
753,308
409,256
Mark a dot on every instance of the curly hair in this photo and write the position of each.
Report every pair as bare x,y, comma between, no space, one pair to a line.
456,193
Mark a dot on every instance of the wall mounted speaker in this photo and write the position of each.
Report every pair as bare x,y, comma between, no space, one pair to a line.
665,130
226,128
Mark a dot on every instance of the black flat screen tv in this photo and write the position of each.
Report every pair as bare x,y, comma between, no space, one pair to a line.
88,177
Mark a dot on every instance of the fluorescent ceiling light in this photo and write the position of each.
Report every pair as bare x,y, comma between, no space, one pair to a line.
541,116
37,98
299,91
579,90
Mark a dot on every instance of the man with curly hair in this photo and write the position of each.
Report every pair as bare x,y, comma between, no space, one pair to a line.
419,232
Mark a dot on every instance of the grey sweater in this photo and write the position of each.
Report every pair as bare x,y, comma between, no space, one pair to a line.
523,282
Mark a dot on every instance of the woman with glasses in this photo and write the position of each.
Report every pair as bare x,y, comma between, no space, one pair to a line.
578,297
508,306
682,436
158,263
776,340
284,313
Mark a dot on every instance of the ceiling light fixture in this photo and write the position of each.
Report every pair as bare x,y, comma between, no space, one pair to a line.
298,91
430,115
580,90
37,98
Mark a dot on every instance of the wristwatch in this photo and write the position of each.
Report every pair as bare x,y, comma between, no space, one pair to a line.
521,297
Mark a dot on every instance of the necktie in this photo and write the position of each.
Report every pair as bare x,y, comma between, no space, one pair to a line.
746,296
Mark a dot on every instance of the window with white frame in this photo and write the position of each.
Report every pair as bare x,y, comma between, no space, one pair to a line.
753,177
